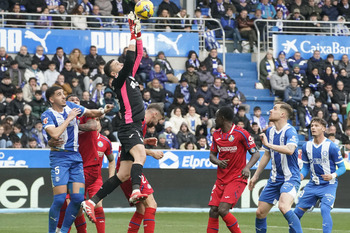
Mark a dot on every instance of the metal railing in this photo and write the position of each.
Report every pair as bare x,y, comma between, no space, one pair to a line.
267,28
113,23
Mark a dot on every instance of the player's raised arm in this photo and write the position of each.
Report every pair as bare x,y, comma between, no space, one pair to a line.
263,162
288,149
98,112
139,47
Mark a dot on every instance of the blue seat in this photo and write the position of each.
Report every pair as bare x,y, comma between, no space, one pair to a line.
170,87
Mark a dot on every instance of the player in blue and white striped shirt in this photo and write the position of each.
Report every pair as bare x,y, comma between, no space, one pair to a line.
320,156
66,163
280,143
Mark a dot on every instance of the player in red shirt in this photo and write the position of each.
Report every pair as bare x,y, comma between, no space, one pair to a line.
232,143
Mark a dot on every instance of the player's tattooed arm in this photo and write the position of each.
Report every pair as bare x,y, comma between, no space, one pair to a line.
90,125
214,159
111,165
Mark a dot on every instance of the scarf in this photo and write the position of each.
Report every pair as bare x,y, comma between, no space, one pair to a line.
210,40
195,63
308,117
3,68
234,93
97,95
185,91
222,76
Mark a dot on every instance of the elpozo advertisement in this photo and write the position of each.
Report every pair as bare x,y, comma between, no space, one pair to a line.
175,159
173,44
306,45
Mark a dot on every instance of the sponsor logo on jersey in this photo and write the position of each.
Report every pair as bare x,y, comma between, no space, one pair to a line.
231,138
45,120
293,139
231,149
251,140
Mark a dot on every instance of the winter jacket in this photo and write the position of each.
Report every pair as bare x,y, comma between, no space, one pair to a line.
209,62
161,76
38,74
93,62
105,7
145,65
28,93
279,83
8,90
24,61
315,63
193,122
50,77
43,62
57,62
192,78
293,93
32,5
15,107
38,107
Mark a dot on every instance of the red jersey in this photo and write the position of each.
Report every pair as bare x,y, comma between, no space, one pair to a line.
232,145
104,147
144,130
88,145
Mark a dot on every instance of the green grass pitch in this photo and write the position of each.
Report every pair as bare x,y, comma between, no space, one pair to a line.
175,223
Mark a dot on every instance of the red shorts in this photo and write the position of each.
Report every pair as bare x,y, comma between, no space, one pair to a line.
145,187
93,180
229,193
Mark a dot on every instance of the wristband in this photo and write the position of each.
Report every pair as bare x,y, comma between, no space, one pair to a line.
102,111
334,175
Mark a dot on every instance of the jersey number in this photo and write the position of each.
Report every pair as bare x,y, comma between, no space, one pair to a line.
57,170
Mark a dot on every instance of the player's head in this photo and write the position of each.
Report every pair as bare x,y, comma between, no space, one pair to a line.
223,115
154,113
112,68
55,96
318,126
281,111
73,98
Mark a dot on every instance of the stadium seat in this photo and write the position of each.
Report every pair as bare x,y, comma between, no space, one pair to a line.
170,87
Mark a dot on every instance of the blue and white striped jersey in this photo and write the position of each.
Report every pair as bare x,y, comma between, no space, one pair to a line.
283,167
323,159
70,135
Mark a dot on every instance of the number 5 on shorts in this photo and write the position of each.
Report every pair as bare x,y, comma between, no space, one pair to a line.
57,170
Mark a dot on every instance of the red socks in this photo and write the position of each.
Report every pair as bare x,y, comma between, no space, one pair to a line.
213,225
80,224
232,223
148,221
100,220
135,222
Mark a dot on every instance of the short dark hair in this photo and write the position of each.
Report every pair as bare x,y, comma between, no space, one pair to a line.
92,46
19,90
58,48
256,108
287,108
305,98
227,113
85,66
38,92
318,100
241,108
51,91
107,68
31,139
319,120
254,123
68,61
71,95
156,107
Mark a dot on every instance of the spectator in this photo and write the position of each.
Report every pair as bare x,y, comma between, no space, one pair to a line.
43,89
235,104
88,81
314,80
162,143
302,80
87,102
218,89
101,76
201,107
297,59
184,135
16,20
59,58
68,72
5,61
5,141
340,98
67,90
158,73
146,96
51,74
330,62
316,62
27,120
96,21
222,75
34,71
41,59
218,9
157,92
327,97
76,89
328,76
311,9
298,4
230,28
267,68
32,143
255,133
333,134
38,104
7,88
292,94
105,7
109,98
280,6
39,134
191,76
45,20
341,29
259,120
246,28
170,136
267,9
241,116
344,77
3,105
35,6
87,7
23,58
212,61
179,101
61,19
16,75
93,59
70,5
304,115
17,134
186,90
193,60
79,21
295,16
282,61
151,133
205,75
29,89
310,96
183,23
335,121
204,92
319,107
166,66
325,27
164,24
145,67
97,93
343,9
214,106
279,21
331,10
344,63
198,22
176,119
279,82
169,6
192,119
120,7
77,59
233,91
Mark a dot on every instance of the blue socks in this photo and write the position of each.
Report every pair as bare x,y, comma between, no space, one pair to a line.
293,222
327,222
298,212
72,211
260,225
54,212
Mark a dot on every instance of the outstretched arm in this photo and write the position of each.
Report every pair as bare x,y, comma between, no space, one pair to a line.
263,162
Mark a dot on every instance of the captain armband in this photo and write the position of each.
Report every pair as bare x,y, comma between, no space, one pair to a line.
253,150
